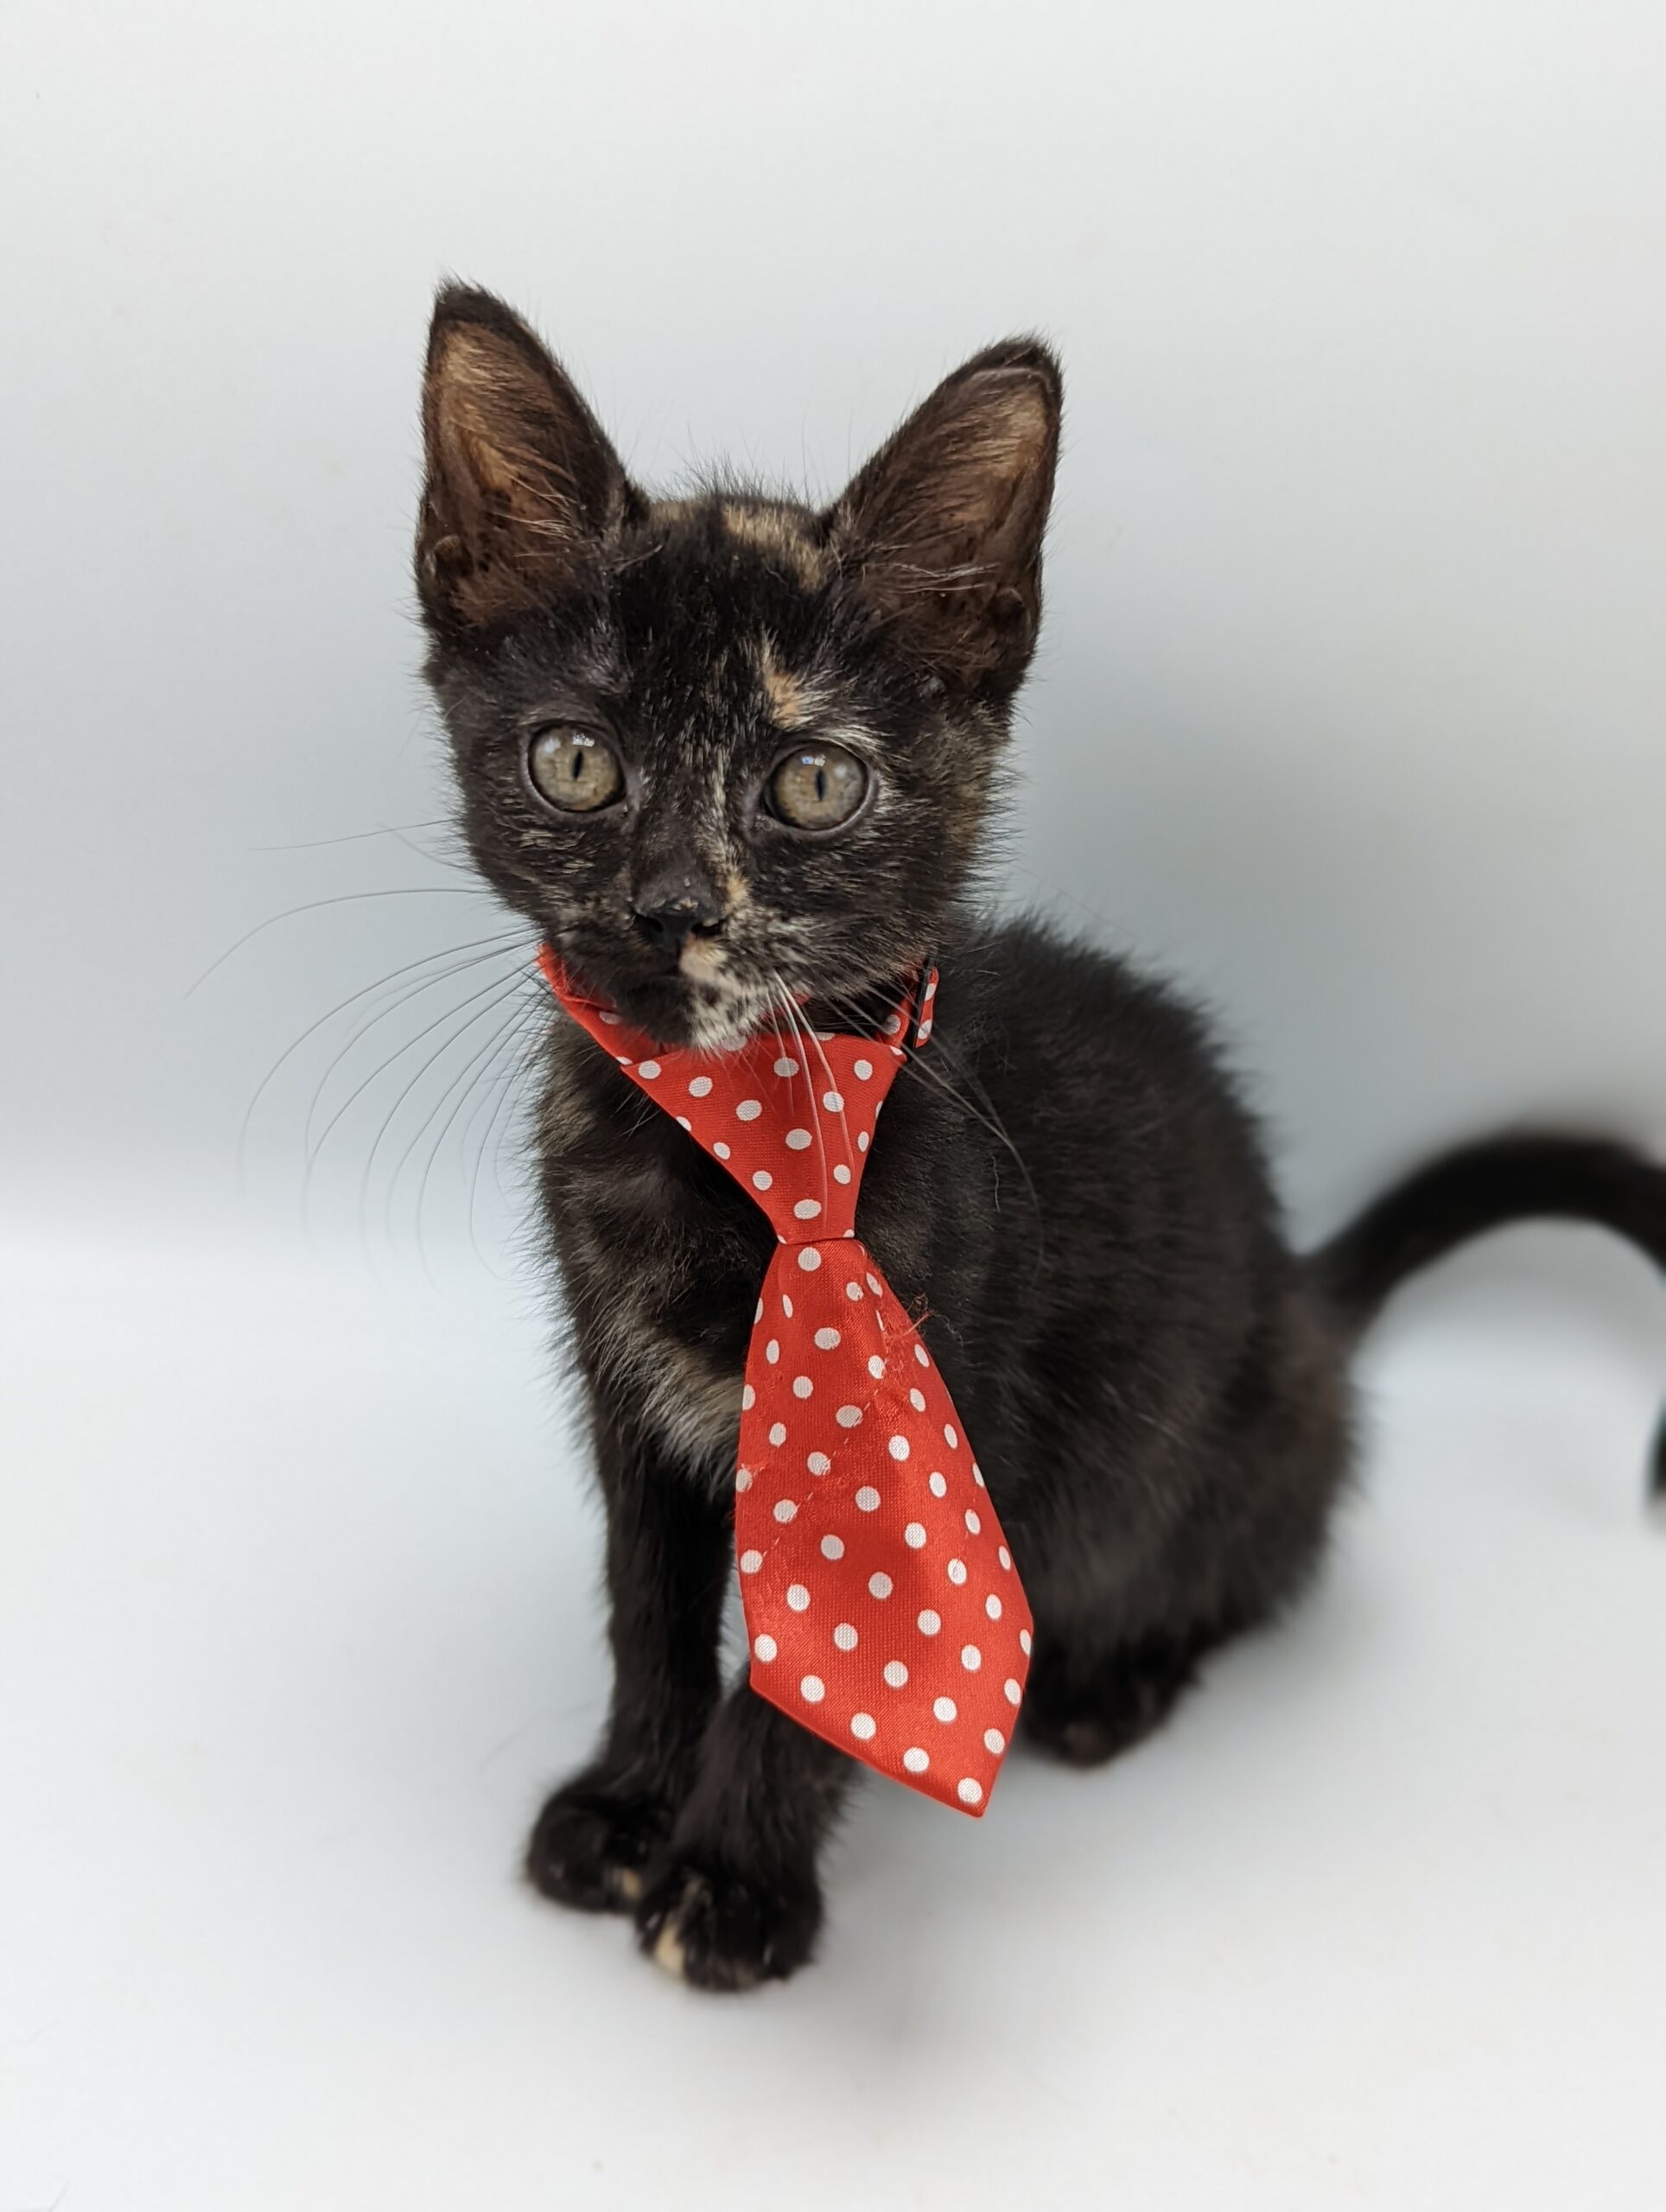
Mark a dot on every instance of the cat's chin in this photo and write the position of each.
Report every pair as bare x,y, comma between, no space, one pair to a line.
699,1017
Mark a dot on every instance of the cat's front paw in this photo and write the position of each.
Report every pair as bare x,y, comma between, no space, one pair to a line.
592,1841
719,1929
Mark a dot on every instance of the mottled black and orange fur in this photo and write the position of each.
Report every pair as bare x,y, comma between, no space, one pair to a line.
1068,1186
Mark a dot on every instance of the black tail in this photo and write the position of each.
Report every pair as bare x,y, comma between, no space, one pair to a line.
1482,1187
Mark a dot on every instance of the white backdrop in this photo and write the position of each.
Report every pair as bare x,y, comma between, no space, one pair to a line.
1350,712
1351,701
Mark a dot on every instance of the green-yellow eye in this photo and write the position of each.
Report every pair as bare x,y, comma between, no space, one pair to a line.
574,769
818,787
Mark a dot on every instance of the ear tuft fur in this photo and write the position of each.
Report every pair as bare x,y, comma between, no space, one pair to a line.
523,487
942,531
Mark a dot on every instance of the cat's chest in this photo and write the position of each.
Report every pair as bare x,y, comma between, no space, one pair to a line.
662,1255
661,1258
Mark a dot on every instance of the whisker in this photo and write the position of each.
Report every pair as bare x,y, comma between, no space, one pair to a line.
427,960
503,990
496,983
402,997
341,898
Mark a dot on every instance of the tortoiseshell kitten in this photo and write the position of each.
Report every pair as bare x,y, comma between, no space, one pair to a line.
727,750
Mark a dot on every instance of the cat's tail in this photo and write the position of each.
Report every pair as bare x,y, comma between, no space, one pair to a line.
1481,1186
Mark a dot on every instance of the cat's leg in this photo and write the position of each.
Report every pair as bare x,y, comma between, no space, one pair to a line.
667,1568
735,1898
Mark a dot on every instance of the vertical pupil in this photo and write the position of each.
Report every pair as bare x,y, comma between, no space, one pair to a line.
821,783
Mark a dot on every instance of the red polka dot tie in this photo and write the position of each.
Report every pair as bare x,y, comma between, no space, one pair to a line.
883,1610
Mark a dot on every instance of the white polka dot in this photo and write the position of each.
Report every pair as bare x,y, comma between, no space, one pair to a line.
977,1476
832,1546
818,1463
974,1526
892,1023
833,1102
701,1087
845,1636
807,1209
879,1585
777,1433
1005,1557
772,1350
797,1139
896,1674
785,1066
849,1416
751,1561
647,1068
786,1510
992,1606
945,1709
994,1741
613,1021
827,1339
853,1291
968,1791
957,1570
683,1123
810,1259
802,1386
915,1760
786,1306
1013,1691
913,1536
762,1180
1024,1642
747,1110
922,1355
763,1648
917,1400
862,1724
950,1437
721,1149
743,1478
748,1397
841,1172
971,1657
874,1284
797,1597
940,1485
867,1499
897,1447
812,1689
861,1140
864,1070
928,1623
876,1365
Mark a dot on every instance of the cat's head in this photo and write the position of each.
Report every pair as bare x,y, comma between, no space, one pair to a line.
727,749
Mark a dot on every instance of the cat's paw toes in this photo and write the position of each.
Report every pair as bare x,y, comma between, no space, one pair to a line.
720,1929
590,1844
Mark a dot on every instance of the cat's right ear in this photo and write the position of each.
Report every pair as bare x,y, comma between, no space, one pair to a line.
523,489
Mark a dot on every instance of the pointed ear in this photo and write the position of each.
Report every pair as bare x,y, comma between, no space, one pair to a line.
523,489
942,531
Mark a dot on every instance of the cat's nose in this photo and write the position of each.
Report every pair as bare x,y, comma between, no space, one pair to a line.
673,908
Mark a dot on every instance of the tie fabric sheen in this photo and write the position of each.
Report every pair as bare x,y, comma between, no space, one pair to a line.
883,1611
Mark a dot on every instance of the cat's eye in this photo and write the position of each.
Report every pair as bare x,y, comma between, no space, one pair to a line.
573,769
818,787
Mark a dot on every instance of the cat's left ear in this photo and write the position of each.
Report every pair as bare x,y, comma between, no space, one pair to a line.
940,534
523,489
